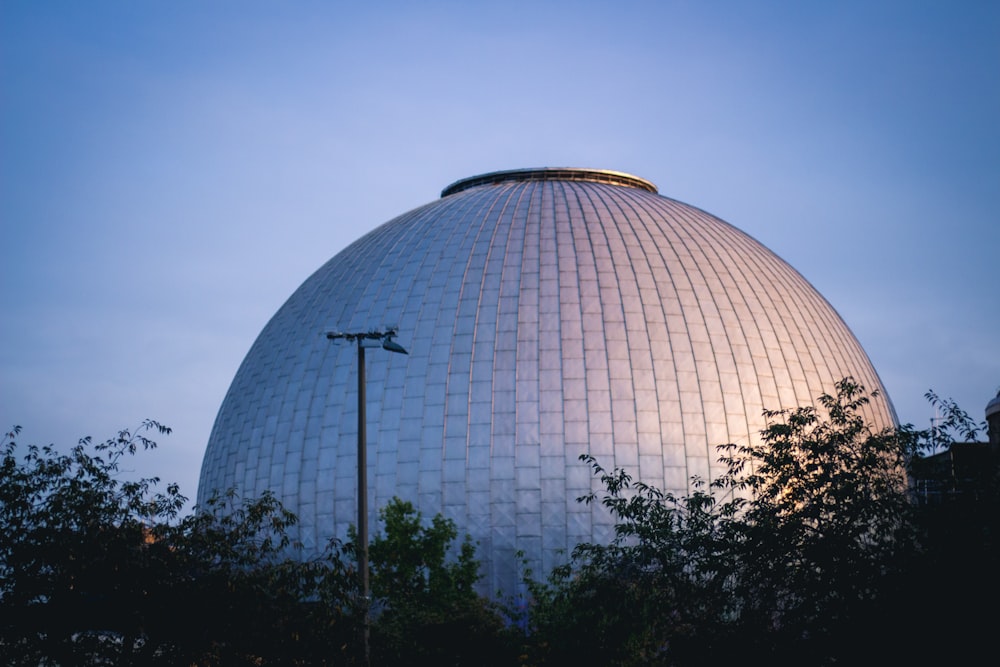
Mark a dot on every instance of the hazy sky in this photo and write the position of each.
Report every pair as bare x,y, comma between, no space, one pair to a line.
171,171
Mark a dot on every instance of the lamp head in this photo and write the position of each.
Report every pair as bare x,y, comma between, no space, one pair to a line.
393,346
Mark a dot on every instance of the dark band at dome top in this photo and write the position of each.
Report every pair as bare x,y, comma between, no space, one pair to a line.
551,174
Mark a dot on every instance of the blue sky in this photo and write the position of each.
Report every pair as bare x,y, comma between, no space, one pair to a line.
171,171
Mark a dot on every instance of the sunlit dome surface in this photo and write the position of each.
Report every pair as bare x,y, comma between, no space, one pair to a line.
547,313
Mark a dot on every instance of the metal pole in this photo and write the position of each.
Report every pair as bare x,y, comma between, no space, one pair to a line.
386,337
363,504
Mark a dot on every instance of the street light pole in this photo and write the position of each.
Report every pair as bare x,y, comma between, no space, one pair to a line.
363,491
386,339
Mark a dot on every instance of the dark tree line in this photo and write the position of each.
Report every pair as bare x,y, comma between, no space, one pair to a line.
99,571
808,550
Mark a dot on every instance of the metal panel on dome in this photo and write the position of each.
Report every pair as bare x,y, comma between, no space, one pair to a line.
548,313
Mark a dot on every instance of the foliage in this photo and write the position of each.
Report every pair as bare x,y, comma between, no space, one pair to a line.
427,608
959,533
74,537
240,595
788,556
663,581
808,550
951,425
827,521
96,570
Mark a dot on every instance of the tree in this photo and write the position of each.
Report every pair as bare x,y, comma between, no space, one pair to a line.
660,587
73,538
239,593
953,576
826,525
96,570
427,610
787,556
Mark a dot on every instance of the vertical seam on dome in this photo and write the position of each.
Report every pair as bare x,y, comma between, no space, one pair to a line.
634,210
581,230
658,227
804,299
441,240
560,205
785,285
678,240
515,237
610,202
489,224
494,252
702,227
768,308
643,215
506,220
529,417
850,352
790,284
548,234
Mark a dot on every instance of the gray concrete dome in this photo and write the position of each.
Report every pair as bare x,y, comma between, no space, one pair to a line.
547,313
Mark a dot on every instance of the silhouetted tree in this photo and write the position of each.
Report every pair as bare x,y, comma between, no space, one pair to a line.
788,556
663,583
97,570
827,520
808,550
952,580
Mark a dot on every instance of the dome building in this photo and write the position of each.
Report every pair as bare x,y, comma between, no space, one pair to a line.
547,313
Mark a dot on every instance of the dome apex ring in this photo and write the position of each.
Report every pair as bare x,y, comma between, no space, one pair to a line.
551,174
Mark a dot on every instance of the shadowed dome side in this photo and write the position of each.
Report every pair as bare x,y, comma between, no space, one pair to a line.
546,315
